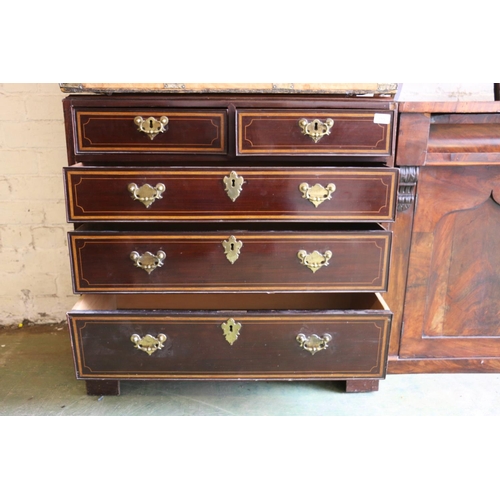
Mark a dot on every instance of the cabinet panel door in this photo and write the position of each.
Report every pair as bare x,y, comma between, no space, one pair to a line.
452,305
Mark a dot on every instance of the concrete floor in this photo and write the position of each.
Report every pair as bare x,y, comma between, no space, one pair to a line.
37,378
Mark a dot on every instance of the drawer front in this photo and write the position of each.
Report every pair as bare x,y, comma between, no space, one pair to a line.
236,261
314,132
245,194
163,345
151,130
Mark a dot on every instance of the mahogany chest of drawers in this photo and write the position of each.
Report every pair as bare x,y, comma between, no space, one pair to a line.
230,236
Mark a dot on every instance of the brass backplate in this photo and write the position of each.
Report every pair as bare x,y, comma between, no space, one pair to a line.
317,194
314,260
148,343
313,343
146,194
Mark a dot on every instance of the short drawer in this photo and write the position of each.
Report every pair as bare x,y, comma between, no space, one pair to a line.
241,194
150,130
245,259
347,340
314,132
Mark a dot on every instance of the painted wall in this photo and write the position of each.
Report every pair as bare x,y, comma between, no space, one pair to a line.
34,271
34,266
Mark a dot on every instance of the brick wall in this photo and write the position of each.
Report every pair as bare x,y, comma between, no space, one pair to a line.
34,267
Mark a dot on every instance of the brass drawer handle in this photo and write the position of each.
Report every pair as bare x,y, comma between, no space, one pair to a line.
314,260
151,126
232,249
148,261
317,194
148,343
233,184
313,344
316,129
146,194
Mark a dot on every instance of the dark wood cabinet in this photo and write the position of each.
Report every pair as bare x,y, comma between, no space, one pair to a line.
230,236
246,236
446,262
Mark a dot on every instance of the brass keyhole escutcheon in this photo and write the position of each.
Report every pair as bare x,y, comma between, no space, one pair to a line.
151,126
233,185
231,330
316,129
232,249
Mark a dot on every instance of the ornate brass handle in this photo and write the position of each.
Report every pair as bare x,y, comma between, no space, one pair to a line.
151,126
148,343
316,129
148,261
314,260
313,344
146,194
317,194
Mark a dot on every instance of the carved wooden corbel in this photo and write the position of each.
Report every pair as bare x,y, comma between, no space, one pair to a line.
407,187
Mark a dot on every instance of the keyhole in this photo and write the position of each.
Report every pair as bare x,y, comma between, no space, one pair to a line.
315,125
231,328
233,182
232,247
150,123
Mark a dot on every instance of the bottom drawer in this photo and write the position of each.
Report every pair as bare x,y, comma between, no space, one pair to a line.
283,336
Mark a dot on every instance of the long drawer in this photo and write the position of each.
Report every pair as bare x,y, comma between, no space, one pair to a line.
314,132
243,194
157,130
250,258
254,340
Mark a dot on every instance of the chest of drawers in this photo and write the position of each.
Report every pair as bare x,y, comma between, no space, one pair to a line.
230,236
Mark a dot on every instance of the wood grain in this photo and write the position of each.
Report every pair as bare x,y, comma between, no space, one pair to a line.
197,261
360,194
196,348
450,107
452,290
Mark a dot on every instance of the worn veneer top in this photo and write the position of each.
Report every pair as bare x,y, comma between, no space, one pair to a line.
450,107
388,89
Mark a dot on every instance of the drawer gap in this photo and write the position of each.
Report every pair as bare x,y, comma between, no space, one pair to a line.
228,302
224,227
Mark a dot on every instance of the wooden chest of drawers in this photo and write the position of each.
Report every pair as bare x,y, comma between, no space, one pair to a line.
230,237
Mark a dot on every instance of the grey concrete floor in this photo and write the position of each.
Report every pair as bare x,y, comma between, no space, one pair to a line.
37,378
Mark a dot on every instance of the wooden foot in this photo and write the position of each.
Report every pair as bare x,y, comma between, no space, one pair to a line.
103,387
361,385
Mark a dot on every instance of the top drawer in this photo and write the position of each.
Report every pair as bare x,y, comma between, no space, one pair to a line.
150,130
314,132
